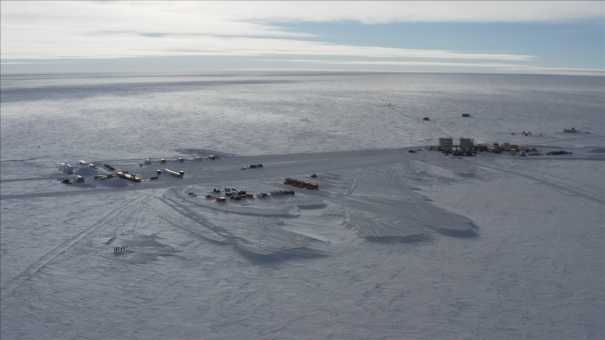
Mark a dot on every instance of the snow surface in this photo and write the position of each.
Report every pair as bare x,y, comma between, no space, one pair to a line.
394,245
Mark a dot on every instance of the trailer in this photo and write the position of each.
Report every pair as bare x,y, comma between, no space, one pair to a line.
65,168
311,185
277,193
253,166
130,177
570,130
179,174
481,148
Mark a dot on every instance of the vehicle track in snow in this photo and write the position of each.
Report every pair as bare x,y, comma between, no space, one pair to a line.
222,235
552,181
26,179
54,253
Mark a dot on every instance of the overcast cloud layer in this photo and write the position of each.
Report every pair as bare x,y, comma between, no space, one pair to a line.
47,30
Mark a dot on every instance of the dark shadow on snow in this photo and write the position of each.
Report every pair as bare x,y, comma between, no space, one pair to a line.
279,256
400,239
472,232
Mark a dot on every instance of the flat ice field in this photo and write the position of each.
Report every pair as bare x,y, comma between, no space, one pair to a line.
394,244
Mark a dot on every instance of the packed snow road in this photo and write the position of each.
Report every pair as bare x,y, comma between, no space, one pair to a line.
400,244
223,170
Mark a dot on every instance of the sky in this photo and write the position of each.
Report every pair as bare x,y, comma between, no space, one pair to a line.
187,36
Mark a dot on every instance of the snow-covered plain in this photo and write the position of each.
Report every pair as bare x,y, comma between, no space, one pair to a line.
394,245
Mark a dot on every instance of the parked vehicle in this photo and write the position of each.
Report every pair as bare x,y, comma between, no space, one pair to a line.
311,185
558,153
179,174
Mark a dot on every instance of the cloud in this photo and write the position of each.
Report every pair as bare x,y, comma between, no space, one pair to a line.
372,12
108,29
297,35
456,66
401,63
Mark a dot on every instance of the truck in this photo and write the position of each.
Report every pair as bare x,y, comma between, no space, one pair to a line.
179,174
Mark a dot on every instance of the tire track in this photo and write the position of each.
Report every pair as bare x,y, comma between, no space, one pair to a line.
26,179
222,235
557,184
51,255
